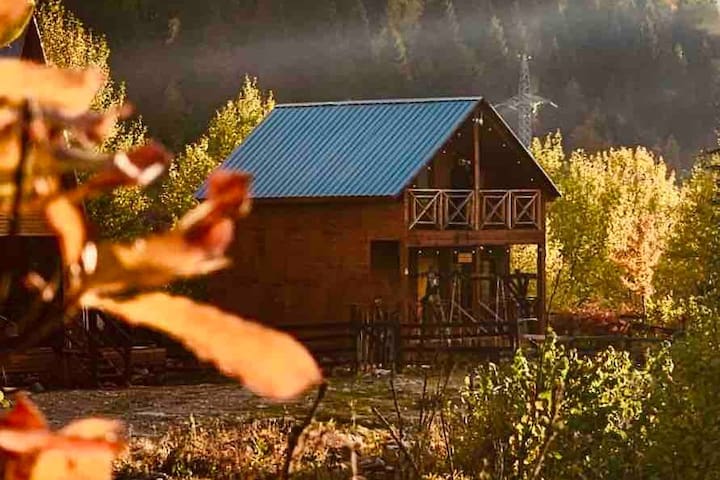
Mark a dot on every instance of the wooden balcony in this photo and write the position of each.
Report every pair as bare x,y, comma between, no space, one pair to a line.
438,209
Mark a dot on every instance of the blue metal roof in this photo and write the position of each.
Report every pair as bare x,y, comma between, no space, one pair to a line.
346,149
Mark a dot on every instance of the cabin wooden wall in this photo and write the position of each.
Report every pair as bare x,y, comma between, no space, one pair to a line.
301,263
439,173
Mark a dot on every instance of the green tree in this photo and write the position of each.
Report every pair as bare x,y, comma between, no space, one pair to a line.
690,267
558,415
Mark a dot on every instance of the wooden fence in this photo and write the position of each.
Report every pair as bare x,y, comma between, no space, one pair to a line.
376,338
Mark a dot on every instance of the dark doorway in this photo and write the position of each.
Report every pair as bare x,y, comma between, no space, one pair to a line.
385,267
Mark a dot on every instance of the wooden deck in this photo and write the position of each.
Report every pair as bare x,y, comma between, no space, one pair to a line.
456,218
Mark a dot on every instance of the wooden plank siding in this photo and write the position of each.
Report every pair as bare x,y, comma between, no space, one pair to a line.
30,225
305,263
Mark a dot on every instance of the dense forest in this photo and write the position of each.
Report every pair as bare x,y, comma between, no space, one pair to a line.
623,72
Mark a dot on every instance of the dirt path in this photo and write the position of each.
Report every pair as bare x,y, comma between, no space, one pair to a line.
150,411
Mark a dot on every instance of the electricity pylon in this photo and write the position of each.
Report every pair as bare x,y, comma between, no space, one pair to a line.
525,102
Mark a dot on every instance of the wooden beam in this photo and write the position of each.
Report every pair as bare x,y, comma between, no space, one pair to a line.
469,238
404,261
476,169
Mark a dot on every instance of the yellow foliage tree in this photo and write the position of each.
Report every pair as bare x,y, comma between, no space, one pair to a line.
607,232
69,44
226,131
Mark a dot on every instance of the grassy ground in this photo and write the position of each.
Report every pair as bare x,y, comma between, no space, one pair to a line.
151,411
221,431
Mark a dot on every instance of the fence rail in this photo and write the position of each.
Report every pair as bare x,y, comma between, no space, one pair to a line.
376,338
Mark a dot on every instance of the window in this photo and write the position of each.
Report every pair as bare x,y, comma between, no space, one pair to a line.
385,256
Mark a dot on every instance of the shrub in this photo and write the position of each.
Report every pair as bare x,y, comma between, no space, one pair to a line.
559,415
685,442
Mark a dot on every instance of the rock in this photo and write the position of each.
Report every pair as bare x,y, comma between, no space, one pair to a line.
37,388
152,414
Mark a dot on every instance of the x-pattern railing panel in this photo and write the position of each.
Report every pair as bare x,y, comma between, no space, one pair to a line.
441,209
458,208
495,211
525,209
425,206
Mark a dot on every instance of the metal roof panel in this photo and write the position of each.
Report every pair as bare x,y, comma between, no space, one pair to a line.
346,149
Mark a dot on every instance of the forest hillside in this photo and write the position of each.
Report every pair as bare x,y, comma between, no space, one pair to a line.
622,72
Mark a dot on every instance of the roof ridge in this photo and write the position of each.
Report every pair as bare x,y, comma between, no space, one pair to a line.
378,101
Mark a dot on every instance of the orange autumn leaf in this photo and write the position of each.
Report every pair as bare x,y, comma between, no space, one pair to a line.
196,247
66,219
140,166
71,91
211,225
14,17
24,416
91,128
9,150
148,262
85,449
268,362
228,197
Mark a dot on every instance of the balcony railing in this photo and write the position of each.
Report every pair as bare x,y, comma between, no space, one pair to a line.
438,209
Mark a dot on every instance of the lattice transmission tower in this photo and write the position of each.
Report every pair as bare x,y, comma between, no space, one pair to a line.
525,103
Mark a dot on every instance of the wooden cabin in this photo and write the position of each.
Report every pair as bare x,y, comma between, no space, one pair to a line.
411,204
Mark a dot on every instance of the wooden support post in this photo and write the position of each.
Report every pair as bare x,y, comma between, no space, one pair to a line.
355,333
476,270
476,171
542,316
404,259
404,282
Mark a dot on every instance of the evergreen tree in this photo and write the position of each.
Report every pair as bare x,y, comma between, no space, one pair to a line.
659,58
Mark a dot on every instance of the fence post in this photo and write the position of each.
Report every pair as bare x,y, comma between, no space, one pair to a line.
397,342
355,333
94,349
127,356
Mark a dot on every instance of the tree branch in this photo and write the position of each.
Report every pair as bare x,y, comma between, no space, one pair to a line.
399,443
298,430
